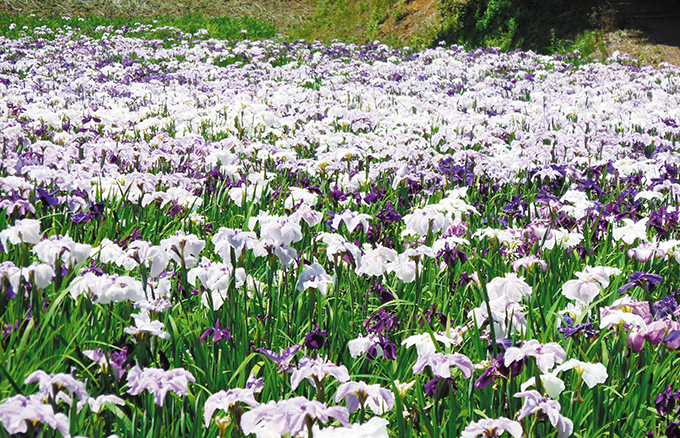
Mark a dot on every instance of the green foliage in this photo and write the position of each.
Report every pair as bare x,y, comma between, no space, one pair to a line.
589,45
227,28
349,21
510,24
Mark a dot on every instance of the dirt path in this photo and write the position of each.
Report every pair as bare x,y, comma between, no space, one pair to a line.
650,30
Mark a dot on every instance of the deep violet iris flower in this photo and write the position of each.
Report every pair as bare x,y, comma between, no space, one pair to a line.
644,280
217,332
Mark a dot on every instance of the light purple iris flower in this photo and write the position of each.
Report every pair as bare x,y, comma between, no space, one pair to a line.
225,400
287,417
51,385
19,412
535,402
283,358
97,403
546,355
529,261
144,325
492,427
356,394
159,382
316,370
441,364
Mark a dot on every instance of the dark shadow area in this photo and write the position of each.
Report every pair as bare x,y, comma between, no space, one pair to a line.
659,20
539,25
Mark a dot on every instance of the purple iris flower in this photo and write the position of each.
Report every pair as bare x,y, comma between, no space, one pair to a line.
118,360
316,339
46,197
338,195
431,312
283,358
389,350
373,196
465,279
589,185
96,270
175,208
644,280
384,294
217,333
664,221
381,322
441,384
673,429
95,211
502,343
665,307
515,207
388,214
668,402
456,173
497,370
134,235
452,256
672,340
568,329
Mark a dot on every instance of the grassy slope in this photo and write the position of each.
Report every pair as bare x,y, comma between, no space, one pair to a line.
284,15
324,20
529,24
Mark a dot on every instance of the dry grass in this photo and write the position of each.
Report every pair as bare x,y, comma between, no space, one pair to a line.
413,22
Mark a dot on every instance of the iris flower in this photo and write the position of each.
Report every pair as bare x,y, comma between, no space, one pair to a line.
492,427
183,248
144,325
534,402
316,370
631,231
23,231
283,358
159,382
546,355
357,394
644,280
314,276
288,417
441,364
19,412
51,387
591,373
224,400
376,427
511,287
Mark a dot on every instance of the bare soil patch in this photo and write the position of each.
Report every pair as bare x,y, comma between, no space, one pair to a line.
638,46
411,21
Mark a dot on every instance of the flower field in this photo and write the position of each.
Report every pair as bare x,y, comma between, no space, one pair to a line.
204,237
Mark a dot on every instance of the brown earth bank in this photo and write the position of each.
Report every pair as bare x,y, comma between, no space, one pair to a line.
646,29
